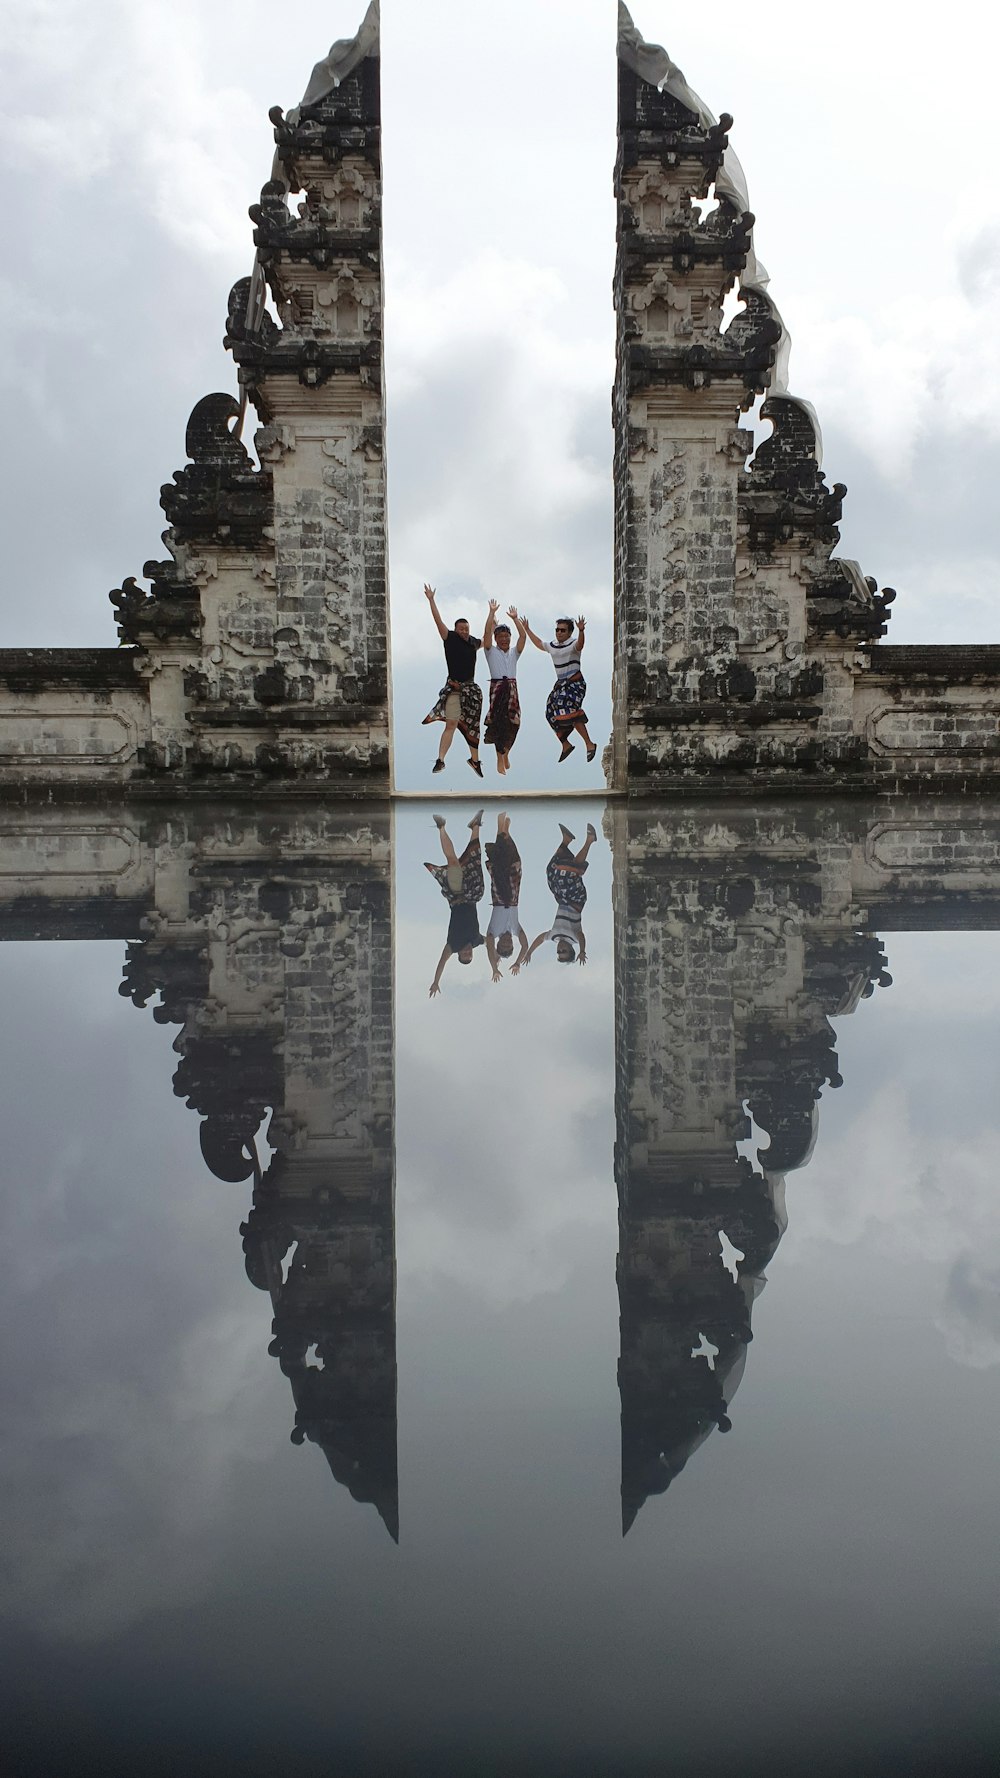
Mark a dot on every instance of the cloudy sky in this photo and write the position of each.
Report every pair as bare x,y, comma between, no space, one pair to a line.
135,136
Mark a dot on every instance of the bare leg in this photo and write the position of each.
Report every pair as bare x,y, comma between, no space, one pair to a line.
451,856
581,857
581,729
447,738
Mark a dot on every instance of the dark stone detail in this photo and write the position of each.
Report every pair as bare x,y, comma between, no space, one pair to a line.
68,669
236,320
171,611
104,916
309,238
652,123
219,497
346,121
724,239
834,607
697,367
954,665
312,361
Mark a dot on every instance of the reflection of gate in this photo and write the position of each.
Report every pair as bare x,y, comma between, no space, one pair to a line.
268,942
737,938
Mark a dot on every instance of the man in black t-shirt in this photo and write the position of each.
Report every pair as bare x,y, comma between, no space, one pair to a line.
460,880
460,701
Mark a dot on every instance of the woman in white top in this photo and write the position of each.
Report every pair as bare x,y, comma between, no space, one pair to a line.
504,718
564,710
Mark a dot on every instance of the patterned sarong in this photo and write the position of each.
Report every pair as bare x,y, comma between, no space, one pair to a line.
471,700
565,705
473,885
565,879
504,717
504,862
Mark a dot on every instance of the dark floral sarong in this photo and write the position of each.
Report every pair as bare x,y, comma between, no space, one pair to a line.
504,717
504,862
471,699
565,879
565,705
473,885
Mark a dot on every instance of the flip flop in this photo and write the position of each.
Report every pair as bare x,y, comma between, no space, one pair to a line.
568,748
591,751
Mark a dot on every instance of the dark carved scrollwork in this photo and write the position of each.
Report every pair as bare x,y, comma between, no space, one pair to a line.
219,497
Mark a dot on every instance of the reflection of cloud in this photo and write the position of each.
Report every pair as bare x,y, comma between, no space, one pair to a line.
970,1319
504,1112
134,1349
911,1170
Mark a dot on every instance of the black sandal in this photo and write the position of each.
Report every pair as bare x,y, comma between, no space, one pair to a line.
591,753
568,748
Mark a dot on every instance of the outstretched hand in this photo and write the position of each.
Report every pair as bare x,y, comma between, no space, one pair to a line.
428,591
515,968
496,975
494,607
435,988
581,959
581,623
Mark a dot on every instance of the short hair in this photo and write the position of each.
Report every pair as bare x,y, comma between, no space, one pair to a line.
564,620
501,629
460,620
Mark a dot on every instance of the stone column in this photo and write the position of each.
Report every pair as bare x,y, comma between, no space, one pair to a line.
317,384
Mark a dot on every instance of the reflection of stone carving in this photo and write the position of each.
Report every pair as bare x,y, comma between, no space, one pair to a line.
279,976
734,947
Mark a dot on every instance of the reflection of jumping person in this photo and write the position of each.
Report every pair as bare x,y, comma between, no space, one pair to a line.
564,875
504,718
460,880
564,711
503,860
460,701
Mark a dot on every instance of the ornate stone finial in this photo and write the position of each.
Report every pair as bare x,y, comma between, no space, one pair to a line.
652,64
341,60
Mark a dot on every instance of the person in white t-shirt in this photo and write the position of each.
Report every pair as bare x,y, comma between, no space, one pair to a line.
565,873
564,711
504,717
503,861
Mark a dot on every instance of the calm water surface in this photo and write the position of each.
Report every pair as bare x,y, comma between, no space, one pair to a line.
700,1239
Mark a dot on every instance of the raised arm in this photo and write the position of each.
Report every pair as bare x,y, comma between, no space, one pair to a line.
522,953
537,640
436,983
491,618
491,952
522,634
442,627
581,634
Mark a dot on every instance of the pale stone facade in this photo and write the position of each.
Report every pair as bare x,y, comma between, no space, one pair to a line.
746,651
